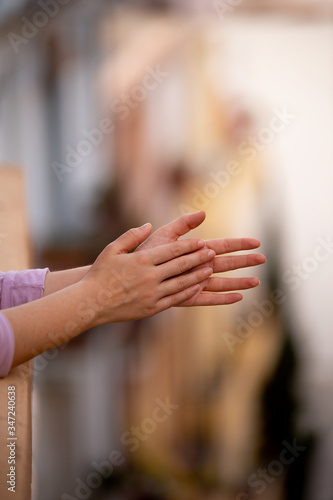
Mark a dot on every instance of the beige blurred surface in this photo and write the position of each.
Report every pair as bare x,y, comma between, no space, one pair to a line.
14,254
223,80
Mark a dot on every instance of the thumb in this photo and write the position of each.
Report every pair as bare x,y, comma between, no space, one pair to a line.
131,239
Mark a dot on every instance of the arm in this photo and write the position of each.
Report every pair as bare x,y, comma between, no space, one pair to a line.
55,281
119,286
169,233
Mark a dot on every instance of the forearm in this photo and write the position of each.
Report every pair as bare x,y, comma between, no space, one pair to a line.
48,322
58,280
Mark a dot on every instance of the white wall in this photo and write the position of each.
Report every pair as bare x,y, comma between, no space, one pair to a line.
281,63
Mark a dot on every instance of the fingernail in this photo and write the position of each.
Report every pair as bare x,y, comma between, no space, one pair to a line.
201,243
145,225
211,254
208,271
195,288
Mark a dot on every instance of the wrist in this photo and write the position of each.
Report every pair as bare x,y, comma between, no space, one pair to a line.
58,280
94,302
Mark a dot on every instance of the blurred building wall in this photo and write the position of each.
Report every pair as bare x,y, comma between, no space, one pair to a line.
158,160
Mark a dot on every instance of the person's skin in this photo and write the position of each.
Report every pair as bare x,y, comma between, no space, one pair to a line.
119,286
172,232
208,294
122,286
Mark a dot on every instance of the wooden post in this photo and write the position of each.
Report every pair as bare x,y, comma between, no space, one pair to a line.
14,255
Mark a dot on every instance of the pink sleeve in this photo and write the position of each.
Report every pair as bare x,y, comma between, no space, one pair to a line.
19,287
16,288
6,345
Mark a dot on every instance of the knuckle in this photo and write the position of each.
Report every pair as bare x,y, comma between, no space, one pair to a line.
150,309
173,301
153,276
229,262
182,266
176,248
142,258
108,250
204,257
181,283
131,232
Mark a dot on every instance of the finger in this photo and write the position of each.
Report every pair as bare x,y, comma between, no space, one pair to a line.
179,283
226,245
131,239
212,299
185,263
229,284
228,263
164,253
184,224
172,231
200,266
178,298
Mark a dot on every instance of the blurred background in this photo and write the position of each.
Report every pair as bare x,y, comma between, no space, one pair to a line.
123,112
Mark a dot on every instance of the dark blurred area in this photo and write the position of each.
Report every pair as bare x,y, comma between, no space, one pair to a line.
123,112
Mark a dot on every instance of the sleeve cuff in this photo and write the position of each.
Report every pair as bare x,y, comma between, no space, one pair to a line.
20,287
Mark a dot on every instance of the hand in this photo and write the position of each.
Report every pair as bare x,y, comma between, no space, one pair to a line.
127,286
210,288
173,231
213,285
